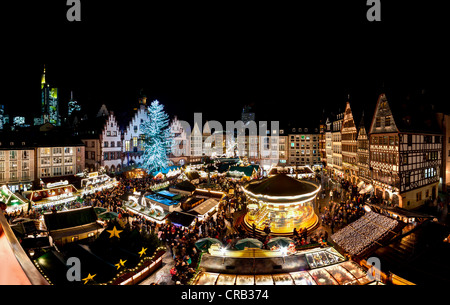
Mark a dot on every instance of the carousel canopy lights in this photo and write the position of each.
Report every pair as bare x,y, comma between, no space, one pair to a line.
281,188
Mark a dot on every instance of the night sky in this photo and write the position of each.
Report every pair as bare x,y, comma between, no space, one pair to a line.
288,62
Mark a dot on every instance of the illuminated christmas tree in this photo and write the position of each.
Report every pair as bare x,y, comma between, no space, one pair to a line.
157,138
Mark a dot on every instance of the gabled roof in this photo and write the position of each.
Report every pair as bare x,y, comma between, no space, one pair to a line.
412,113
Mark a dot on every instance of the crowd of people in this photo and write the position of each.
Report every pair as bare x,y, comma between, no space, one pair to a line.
345,207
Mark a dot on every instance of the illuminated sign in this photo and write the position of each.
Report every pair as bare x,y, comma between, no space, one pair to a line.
55,184
94,174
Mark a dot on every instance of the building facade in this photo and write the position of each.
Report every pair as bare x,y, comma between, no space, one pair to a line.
328,143
405,156
303,147
133,138
181,143
17,160
444,124
363,161
111,145
337,172
349,146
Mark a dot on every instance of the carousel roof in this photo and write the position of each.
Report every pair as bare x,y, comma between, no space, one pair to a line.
281,185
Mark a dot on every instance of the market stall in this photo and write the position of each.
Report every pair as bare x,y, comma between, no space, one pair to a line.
13,202
53,196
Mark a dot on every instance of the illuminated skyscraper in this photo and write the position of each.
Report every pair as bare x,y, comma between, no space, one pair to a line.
49,103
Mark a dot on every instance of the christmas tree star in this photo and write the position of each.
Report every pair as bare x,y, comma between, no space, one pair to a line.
142,252
89,278
121,263
114,232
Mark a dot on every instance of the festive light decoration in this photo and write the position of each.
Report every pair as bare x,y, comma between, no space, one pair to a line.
89,278
121,263
157,138
114,232
142,252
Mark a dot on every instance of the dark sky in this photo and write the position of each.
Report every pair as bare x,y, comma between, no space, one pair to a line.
289,62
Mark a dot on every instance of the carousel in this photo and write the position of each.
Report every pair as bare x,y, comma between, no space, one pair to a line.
280,203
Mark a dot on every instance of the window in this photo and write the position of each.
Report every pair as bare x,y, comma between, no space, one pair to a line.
407,179
92,155
410,140
105,144
419,196
119,144
378,122
13,175
387,121
25,175
12,155
108,133
57,160
25,165
127,145
68,150
68,170
68,160
135,128
2,155
57,171
45,161
25,154
115,133
105,156
135,141
113,144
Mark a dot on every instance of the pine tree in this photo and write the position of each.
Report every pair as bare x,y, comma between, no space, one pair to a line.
157,138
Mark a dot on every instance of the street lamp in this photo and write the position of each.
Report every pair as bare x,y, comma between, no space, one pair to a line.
283,251
223,251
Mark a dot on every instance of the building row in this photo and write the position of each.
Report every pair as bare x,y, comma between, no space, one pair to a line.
398,153
29,157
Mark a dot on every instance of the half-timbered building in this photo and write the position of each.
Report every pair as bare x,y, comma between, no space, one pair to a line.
405,152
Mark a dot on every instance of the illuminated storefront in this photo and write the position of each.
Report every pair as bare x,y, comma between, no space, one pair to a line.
281,203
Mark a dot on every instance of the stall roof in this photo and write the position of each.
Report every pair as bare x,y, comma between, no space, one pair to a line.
181,218
185,186
403,212
70,219
58,234
246,170
204,207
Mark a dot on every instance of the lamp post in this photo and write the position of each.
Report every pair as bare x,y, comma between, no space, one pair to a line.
223,251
